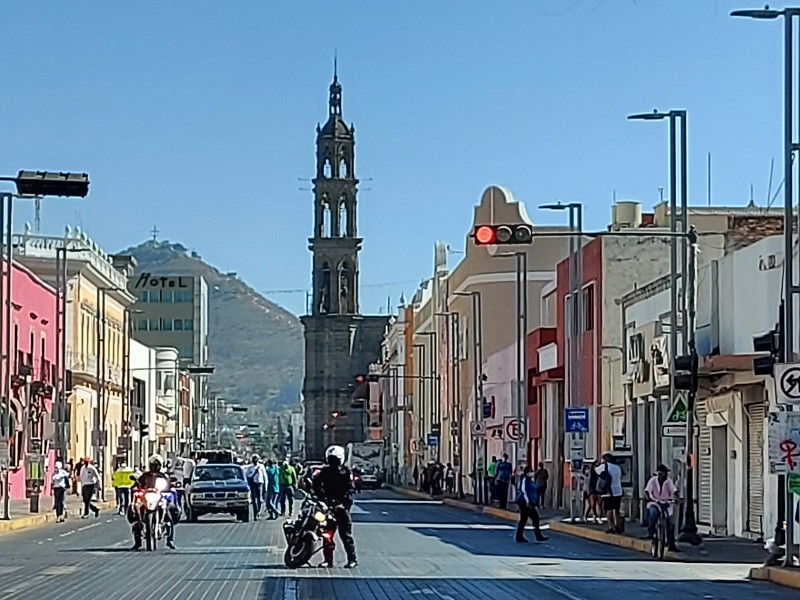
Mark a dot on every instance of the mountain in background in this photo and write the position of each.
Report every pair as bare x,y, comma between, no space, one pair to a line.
255,345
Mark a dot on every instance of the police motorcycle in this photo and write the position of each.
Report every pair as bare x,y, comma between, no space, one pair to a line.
150,506
306,534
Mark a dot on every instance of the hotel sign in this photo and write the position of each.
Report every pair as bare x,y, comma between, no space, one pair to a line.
148,281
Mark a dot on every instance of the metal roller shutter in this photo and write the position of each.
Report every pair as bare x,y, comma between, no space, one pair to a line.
703,466
755,467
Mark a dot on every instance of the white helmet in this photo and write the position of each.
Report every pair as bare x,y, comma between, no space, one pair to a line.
156,458
335,451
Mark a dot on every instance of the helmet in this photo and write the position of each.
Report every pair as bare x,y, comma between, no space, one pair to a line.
336,452
156,459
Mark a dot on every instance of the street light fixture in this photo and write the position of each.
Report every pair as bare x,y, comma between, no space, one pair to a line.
29,184
790,288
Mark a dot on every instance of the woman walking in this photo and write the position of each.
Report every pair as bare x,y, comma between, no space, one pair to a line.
527,497
60,481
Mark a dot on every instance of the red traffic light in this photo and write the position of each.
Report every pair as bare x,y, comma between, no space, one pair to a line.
360,379
484,235
518,233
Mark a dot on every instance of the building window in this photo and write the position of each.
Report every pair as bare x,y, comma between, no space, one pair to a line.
188,324
549,310
183,296
178,324
153,296
143,296
155,325
141,324
587,301
166,324
187,353
167,296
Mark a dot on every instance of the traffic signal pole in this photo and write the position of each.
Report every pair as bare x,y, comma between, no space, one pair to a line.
689,529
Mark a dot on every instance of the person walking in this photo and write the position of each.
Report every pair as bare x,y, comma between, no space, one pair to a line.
503,479
491,478
450,479
540,478
89,477
287,479
527,500
609,486
60,482
273,488
122,486
256,478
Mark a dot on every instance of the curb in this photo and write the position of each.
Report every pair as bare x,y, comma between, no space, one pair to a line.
784,577
621,541
40,519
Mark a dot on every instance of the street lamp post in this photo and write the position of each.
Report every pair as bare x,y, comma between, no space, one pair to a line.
423,434
59,384
790,288
521,320
679,307
29,184
478,449
574,328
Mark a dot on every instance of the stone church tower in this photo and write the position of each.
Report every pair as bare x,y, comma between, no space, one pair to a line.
340,343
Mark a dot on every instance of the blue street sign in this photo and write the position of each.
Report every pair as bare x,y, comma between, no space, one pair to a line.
577,465
576,420
433,440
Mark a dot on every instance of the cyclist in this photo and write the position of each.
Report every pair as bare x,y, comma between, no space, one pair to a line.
661,494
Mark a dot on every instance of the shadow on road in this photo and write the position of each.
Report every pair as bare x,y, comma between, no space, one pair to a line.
355,585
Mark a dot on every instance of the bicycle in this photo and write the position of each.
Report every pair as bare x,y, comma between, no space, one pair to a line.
659,544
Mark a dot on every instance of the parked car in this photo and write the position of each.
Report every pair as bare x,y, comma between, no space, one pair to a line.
217,489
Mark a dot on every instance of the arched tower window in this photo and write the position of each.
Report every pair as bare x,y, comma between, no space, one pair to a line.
344,172
347,288
326,169
344,223
324,293
327,220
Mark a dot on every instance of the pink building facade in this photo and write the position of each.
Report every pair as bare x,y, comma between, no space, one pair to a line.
33,340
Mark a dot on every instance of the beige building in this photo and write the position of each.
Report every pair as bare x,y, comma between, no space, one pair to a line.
444,320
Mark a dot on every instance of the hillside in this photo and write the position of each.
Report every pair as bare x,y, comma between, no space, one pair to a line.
255,345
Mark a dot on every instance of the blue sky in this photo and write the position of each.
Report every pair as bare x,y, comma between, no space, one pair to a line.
198,117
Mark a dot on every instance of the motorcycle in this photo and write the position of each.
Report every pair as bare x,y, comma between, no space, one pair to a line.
305,534
151,506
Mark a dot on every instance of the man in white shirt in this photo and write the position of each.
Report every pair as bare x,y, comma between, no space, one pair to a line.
256,478
609,486
89,480
661,491
188,468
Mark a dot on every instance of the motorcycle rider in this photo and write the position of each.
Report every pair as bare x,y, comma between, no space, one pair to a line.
147,480
334,486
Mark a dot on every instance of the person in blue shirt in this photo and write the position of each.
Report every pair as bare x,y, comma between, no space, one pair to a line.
502,480
527,499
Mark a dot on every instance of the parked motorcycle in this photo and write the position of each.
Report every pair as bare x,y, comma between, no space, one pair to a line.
151,507
305,534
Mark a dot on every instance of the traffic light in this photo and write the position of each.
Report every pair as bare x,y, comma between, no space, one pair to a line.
685,377
489,235
326,427
770,343
144,430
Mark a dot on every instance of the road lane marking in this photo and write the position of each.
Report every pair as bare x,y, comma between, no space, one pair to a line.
432,592
357,510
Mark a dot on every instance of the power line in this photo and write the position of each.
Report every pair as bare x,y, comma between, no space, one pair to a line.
369,285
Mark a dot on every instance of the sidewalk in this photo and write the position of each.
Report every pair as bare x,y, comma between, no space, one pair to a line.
22,518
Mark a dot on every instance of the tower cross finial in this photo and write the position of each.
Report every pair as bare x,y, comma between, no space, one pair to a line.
335,64
155,233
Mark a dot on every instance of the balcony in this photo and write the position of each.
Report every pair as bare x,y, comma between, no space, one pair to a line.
82,364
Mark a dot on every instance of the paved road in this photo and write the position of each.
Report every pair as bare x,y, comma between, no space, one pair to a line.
408,549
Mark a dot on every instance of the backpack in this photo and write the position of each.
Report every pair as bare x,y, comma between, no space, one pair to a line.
604,482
